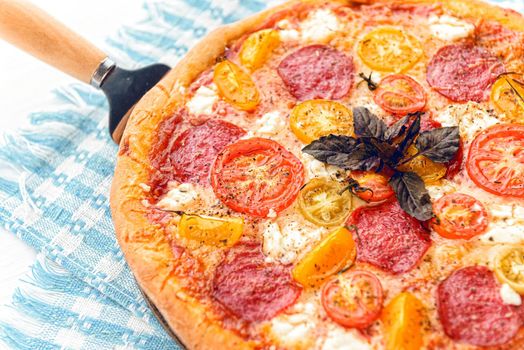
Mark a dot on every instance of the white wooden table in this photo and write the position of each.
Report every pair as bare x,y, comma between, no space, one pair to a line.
24,85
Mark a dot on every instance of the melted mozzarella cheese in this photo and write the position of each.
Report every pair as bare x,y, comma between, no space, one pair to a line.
320,26
286,32
506,224
450,28
296,327
471,118
509,296
344,339
180,197
315,168
436,191
270,124
287,242
203,101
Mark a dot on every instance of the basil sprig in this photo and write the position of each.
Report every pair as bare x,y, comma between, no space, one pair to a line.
377,145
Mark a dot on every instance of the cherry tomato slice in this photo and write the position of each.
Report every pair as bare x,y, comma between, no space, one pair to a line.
400,94
507,95
379,188
459,216
313,119
509,267
389,49
323,203
236,86
353,299
257,48
256,175
496,160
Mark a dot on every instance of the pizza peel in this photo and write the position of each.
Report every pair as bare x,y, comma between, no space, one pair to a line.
35,32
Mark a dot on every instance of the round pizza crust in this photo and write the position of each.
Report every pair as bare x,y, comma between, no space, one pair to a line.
144,244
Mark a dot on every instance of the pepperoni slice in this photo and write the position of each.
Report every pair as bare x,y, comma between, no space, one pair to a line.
251,288
471,309
195,150
317,72
388,237
463,72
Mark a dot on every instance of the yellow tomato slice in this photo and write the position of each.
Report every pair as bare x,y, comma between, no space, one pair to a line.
331,255
217,231
257,47
403,320
313,119
236,86
509,267
427,169
389,49
321,202
507,96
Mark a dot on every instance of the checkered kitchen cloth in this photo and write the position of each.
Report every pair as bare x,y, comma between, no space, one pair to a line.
54,184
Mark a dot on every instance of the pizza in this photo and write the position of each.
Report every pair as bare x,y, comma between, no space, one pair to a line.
335,175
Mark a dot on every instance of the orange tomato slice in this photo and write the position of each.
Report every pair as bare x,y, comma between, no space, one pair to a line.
427,169
313,119
236,86
216,231
331,255
257,48
403,320
507,96
389,49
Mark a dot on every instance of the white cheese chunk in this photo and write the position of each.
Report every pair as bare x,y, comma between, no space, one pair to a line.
270,124
272,213
285,244
450,28
471,118
286,31
345,339
320,26
436,191
509,296
296,328
315,168
203,100
506,224
504,232
180,197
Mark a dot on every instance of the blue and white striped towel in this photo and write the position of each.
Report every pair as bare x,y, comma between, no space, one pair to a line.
81,294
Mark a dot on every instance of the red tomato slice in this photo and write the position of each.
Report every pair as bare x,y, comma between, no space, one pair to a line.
400,94
353,299
496,160
459,216
379,188
256,175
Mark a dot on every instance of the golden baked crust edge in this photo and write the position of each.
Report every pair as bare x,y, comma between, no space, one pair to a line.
145,246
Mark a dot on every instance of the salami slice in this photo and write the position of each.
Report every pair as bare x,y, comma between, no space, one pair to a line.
388,237
195,150
471,309
250,288
317,71
463,72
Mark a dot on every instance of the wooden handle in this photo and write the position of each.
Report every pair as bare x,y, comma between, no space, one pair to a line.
34,31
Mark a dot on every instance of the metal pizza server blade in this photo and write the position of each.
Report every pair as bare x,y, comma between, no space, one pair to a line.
162,320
